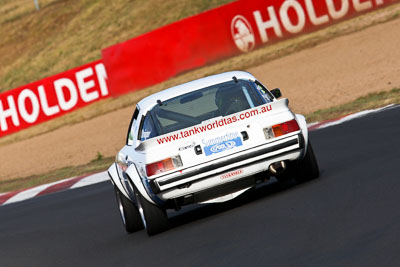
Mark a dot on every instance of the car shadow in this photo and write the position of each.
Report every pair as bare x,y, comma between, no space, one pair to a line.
201,211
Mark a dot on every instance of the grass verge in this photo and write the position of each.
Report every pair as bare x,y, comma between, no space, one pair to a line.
370,101
97,165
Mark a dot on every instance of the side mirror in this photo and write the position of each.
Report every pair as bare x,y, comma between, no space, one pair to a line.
276,92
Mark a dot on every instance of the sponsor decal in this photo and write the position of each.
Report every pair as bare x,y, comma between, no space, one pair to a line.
242,34
216,124
51,97
281,18
231,174
145,135
186,147
221,143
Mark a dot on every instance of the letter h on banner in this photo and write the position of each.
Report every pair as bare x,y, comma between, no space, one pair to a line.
10,112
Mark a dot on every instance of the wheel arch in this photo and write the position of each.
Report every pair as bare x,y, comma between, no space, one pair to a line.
303,126
134,177
115,179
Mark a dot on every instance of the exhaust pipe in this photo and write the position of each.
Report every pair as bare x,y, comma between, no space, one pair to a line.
277,167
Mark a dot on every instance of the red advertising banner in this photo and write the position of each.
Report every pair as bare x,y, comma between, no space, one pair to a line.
51,97
223,32
229,30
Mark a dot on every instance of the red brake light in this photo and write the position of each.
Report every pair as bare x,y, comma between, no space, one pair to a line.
163,166
285,128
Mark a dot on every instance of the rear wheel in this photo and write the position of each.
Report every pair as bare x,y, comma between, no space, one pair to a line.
129,213
154,218
308,167
304,170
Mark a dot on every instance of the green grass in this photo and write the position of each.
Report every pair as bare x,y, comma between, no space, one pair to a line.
100,163
66,34
97,165
370,101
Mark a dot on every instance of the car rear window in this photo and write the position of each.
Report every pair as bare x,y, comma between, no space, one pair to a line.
198,106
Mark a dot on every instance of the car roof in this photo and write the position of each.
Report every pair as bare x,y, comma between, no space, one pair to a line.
150,101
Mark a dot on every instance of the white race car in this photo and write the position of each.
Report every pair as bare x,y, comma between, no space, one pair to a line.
206,141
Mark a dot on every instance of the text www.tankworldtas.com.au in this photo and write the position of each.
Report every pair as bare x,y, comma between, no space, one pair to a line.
215,124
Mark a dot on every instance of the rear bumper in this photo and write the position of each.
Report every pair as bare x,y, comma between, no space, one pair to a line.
228,169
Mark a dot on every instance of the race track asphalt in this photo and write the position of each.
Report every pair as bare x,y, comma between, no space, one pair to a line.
350,216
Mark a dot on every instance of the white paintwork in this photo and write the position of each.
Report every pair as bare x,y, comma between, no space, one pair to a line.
141,153
115,179
257,167
131,171
303,126
216,179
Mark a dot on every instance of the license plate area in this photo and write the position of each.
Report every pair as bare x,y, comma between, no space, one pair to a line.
221,143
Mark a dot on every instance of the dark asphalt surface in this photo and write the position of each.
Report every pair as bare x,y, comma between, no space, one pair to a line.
350,216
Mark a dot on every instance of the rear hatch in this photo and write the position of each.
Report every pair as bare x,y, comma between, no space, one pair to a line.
216,138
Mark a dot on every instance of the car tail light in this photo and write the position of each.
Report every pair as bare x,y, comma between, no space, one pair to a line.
163,166
281,129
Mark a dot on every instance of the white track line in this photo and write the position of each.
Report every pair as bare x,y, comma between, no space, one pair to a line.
311,124
92,179
352,117
30,193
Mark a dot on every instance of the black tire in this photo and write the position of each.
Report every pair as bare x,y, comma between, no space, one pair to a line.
155,219
308,167
129,213
304,170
